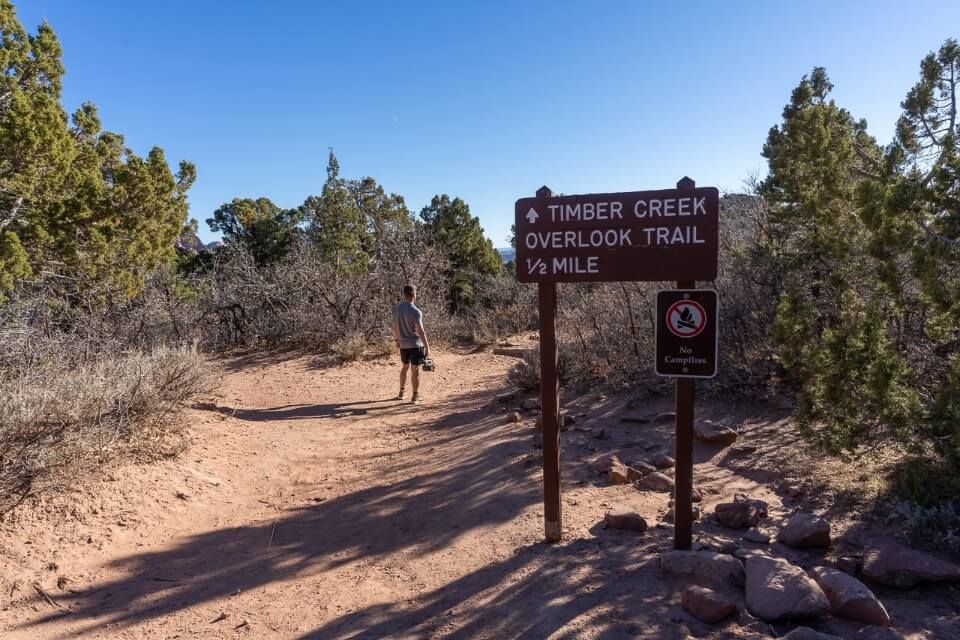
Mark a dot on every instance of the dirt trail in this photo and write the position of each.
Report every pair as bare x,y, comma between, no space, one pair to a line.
311,505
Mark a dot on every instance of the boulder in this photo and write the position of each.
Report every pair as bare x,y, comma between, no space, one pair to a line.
709,567
849,598
604,463
754,534
743,512
806,633
714,433
656,482
893,564
629,520
805,530
619,474
663,461
706,604
777,590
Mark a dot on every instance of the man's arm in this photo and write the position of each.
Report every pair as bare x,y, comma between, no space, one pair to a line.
395,329
423,336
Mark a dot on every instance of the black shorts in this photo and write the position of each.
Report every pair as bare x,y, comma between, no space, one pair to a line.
414,356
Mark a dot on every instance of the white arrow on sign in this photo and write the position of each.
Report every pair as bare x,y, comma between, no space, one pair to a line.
532,215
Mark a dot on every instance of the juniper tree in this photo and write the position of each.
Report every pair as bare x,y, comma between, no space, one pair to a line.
265,229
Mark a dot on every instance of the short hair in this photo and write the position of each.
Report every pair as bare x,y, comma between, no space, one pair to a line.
409,291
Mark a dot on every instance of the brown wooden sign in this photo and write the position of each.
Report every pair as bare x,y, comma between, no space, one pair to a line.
670,234
686,333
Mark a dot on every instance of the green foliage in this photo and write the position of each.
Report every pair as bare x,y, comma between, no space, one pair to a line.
73,199
461,237
350,220
265,229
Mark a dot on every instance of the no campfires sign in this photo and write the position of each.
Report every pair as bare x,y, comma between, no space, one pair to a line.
686,333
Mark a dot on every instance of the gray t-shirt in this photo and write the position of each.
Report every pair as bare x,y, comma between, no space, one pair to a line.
406,317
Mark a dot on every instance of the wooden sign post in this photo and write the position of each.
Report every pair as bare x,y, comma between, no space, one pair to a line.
670,234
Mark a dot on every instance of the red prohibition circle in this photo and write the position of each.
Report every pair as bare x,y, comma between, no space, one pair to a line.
697,330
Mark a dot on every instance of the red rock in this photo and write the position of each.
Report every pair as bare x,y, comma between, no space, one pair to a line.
849,598
619,474
743,512
629,520
894,564
777,590
805,530
656,482
715,433
707,604
663,461
715,568
605,462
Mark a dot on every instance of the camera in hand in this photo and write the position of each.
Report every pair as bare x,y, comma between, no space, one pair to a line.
428,364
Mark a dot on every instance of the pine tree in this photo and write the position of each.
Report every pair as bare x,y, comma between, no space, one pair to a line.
461,238
265,229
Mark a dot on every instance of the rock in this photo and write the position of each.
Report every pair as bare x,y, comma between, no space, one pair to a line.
665,418
848,565
629,520
694,514
643,467
849,598
663,461
745,554
707,604
656,482
805,530
778,590
754,534
599,434
619,474
715,433
743,512
604,463
530,404
515,417
716,568
537,440
896,565
696,495
806,633
567,418
635,474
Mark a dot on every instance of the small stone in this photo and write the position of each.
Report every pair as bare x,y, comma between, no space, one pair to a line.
804,531
628,520
515,417
618,474
713,433
656,482
599,434
530,404
806,633
893,564
777,590
604,463
663,461
849,598
754,534
643,467
706,604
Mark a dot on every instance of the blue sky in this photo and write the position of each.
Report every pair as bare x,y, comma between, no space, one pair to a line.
482,100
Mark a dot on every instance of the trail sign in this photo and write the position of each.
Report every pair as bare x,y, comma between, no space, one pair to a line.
686,333
668,234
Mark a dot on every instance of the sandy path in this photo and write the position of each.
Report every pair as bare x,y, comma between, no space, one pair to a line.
312,506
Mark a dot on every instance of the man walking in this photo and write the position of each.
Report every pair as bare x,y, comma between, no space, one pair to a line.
411,339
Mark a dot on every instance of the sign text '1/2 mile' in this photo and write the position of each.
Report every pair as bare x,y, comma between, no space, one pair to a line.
670,234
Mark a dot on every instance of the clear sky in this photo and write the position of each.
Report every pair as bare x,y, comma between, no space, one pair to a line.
482,100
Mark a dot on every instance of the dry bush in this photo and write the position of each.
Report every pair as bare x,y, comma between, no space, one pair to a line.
63,415
350,348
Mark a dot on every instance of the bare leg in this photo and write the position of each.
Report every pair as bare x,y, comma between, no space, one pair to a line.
415,378
403,378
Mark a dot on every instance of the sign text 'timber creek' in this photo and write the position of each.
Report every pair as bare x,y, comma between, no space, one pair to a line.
671,234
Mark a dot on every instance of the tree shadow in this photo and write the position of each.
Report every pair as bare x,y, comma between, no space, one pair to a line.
302,411
420,513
